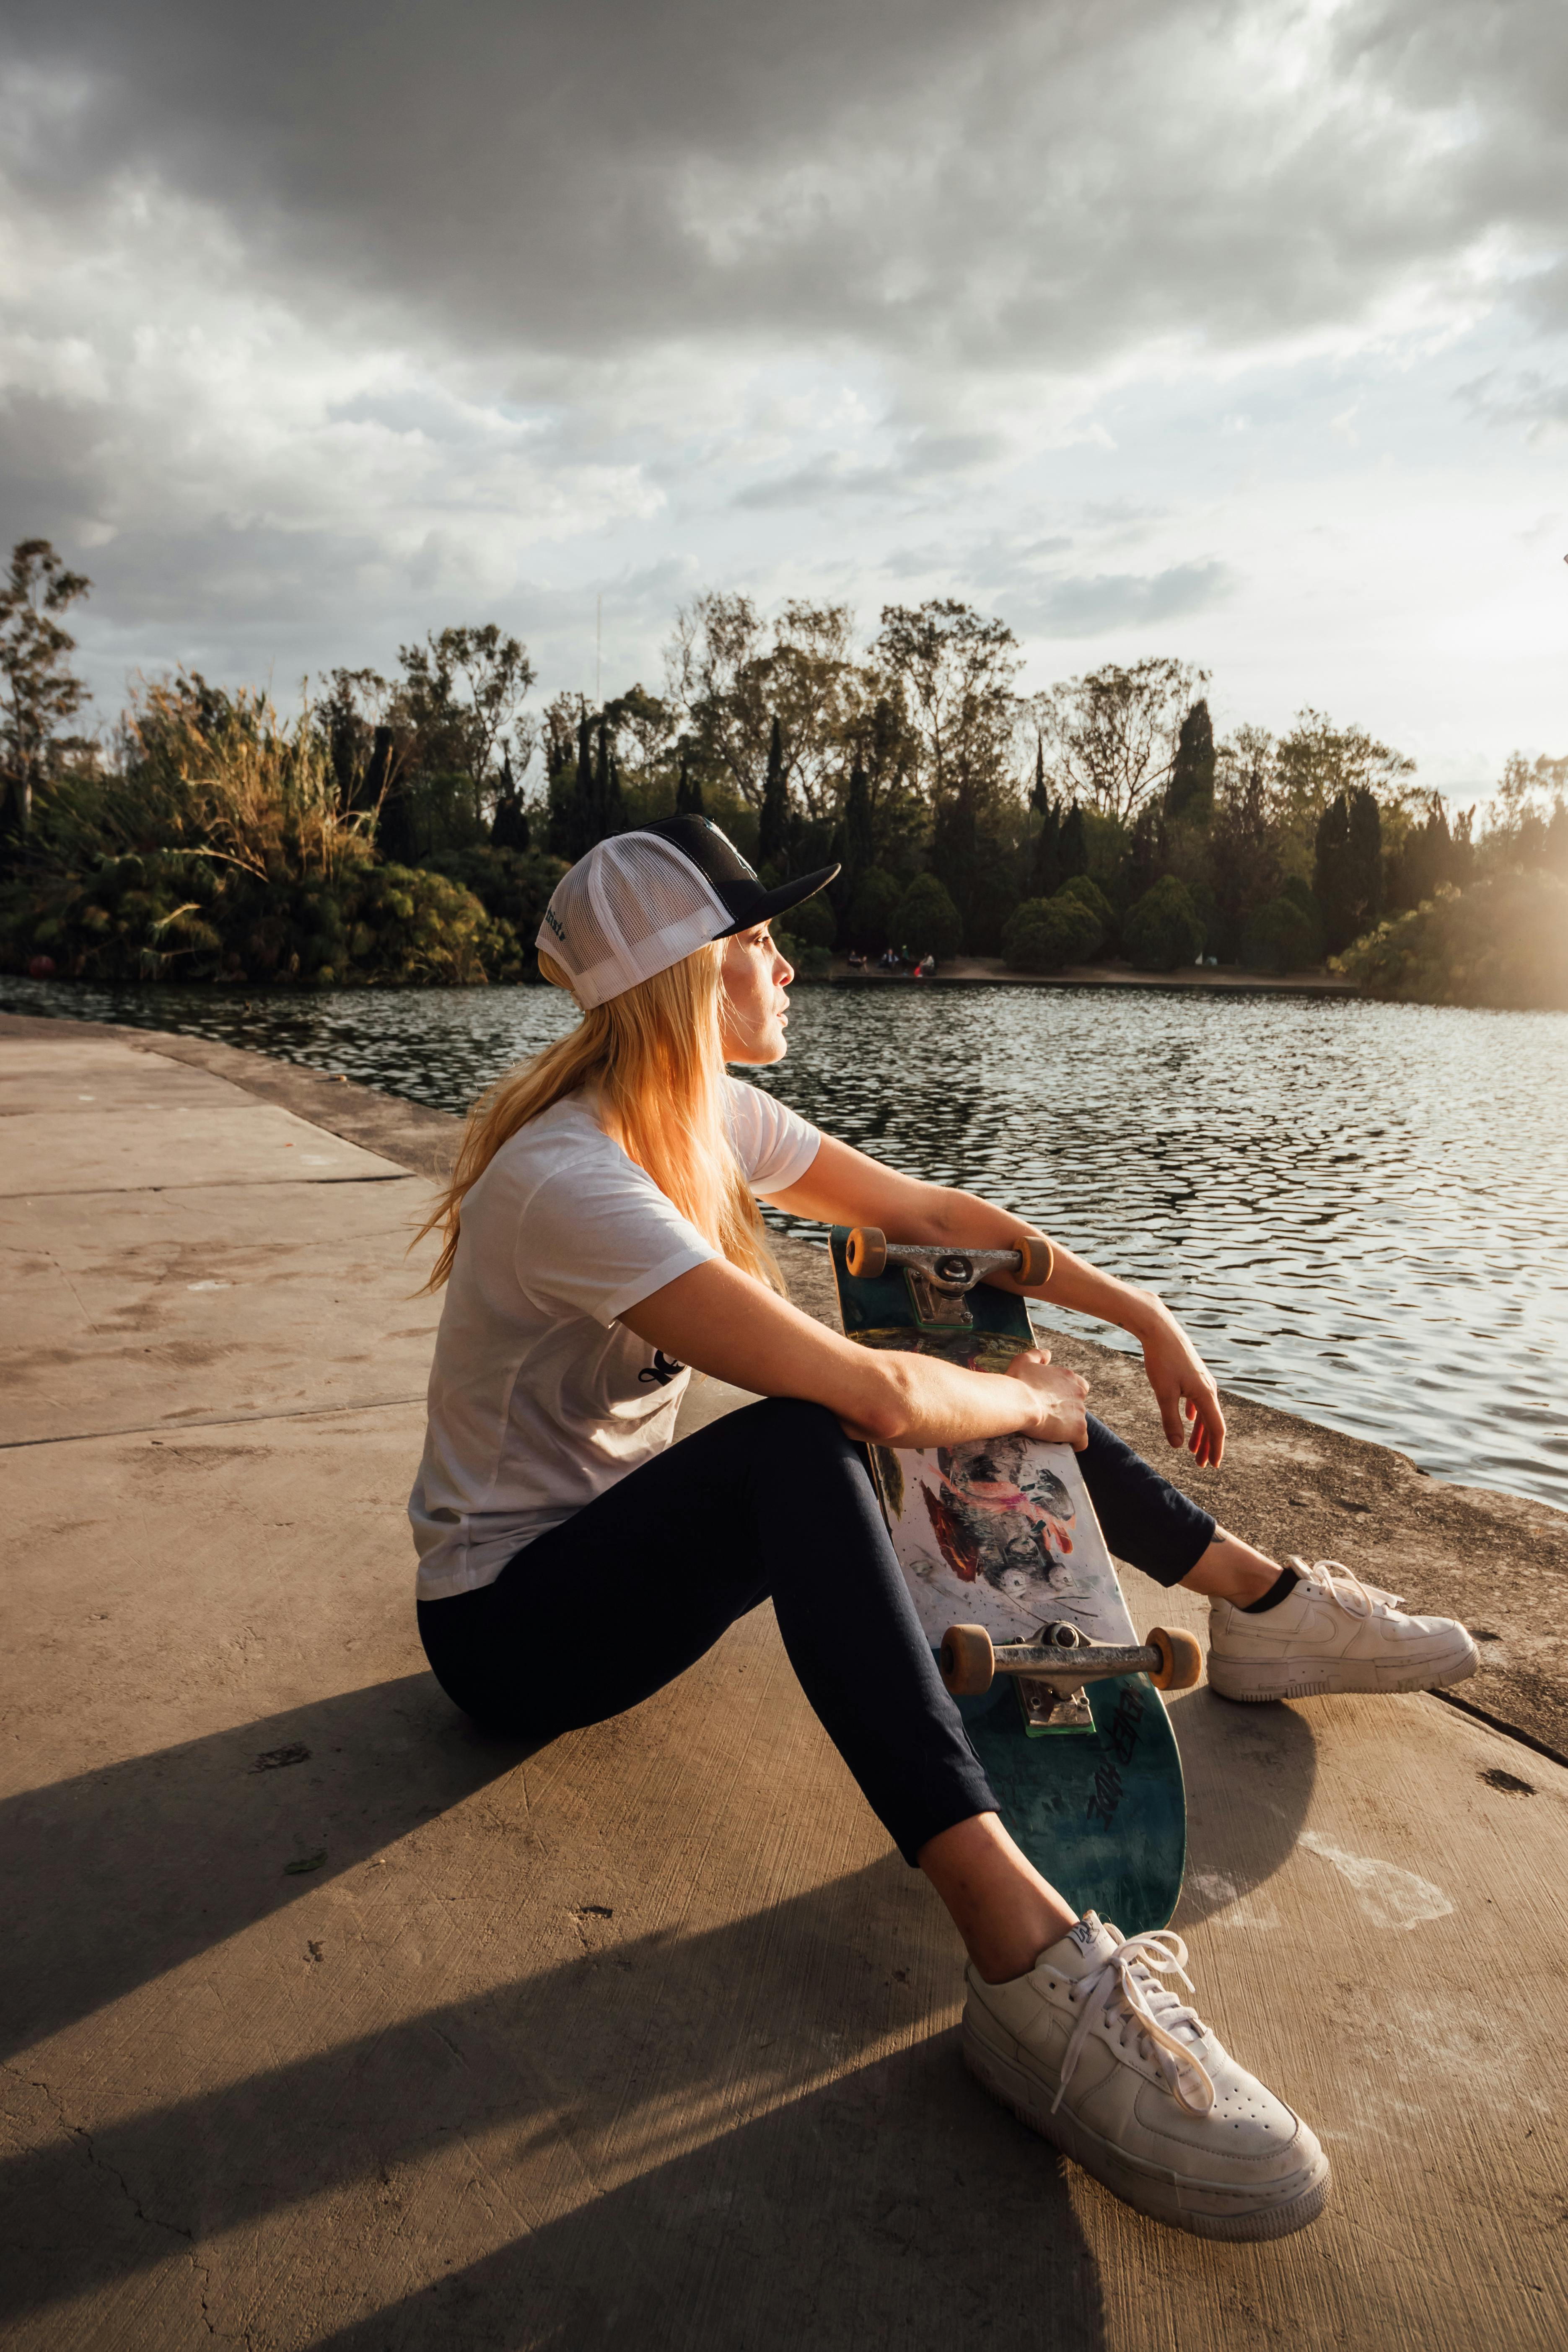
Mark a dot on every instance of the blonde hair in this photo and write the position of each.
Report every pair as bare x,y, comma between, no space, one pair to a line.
655,1058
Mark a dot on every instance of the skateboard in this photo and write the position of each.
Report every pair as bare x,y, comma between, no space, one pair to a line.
1018,1594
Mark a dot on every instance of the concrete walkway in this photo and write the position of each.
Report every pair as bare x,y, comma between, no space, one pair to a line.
329,2023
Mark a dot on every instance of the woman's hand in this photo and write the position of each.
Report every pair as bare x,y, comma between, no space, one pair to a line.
1060,1417
720,1321
1183,1386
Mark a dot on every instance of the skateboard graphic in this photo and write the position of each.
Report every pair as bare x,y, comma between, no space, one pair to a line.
1018,1594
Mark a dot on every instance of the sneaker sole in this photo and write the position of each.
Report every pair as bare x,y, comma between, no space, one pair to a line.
1329,1678
1203,2211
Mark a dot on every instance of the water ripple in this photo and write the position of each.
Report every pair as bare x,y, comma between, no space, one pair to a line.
1361,1210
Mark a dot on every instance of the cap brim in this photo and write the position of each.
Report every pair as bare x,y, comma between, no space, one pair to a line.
770,904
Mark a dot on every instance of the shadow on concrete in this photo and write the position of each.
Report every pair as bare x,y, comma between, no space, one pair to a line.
114,1876
890,2202
161,1857
1251,1772
887,2200
896,2207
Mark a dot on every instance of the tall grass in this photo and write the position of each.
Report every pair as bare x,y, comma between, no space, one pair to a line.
222,775
211,847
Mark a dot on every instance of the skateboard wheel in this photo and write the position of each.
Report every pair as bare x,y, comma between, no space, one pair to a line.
866,1252
1181,1659
967,1661
1034,1252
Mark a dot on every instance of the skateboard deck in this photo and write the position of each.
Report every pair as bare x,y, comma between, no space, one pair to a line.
1003,1534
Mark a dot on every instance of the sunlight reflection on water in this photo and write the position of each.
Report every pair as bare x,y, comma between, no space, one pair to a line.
1361,1210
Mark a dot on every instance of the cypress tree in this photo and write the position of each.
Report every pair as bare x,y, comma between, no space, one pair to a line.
860,838
601,800
1331,874
1046,866
1074,851
1425,858
773,829
688,790
560,796
580,824
509,827
1147,856
1363,847
389,796
955,852
1189,795
609,808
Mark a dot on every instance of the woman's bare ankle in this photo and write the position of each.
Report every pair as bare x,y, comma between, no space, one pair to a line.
1231,1570
1004,1911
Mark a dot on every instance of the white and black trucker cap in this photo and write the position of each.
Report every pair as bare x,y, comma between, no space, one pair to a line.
640,901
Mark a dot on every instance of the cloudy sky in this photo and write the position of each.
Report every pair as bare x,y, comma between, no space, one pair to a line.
1232,331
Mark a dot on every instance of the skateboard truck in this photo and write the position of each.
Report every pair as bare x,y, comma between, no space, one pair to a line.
1053,1668
939,1280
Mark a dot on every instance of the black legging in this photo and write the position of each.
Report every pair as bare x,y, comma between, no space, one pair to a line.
769,1502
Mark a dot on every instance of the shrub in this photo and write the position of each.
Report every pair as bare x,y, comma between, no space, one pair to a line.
514,886
992,899
1502,943
811,960
1044,934
1300,891
1281,937
1088,892
179,915
869,922
1205,908
813,923
1163,928
927,921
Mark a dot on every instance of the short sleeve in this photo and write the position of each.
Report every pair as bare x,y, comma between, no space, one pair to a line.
773,1143
597,1236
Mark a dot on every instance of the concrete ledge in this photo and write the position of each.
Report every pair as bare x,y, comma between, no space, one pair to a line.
330,2023
416,1138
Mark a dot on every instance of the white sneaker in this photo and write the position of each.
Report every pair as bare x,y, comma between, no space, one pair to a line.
1332,1633
1091,2049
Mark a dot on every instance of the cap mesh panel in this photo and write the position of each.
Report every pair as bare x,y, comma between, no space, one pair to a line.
632,906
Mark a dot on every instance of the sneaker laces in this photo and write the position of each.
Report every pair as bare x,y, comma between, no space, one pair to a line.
1333,1579
1130,1981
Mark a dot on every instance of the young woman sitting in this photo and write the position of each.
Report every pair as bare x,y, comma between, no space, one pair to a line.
601,1236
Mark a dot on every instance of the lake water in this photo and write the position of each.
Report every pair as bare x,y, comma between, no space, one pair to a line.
1360,1211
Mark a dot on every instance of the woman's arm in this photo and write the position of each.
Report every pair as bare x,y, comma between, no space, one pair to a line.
845,1187
719,1321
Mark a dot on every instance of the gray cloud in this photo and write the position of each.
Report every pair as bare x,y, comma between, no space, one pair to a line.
924,464
1087,605
1524,398
329,325
1000,184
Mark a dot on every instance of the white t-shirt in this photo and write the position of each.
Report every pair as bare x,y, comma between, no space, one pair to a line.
540,1397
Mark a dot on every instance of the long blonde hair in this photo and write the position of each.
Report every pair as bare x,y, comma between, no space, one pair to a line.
655,1058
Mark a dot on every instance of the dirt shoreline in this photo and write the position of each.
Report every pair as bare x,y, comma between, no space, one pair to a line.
990,972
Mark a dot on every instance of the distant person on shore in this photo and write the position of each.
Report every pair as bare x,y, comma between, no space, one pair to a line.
600,1236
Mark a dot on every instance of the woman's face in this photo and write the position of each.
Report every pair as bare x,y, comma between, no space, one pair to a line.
756,1011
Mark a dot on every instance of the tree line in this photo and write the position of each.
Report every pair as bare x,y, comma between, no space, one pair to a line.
204,834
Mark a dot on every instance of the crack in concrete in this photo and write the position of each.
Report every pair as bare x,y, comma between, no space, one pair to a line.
84,2140
167,1429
